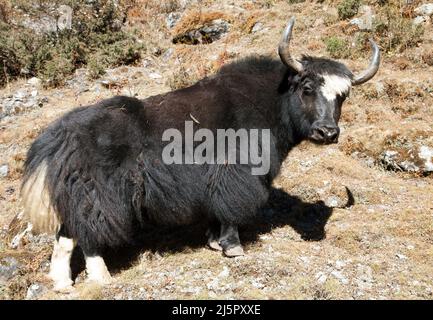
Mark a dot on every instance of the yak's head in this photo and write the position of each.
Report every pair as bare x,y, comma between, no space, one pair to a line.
317,88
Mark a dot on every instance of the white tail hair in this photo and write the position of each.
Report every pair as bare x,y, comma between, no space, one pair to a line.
37,204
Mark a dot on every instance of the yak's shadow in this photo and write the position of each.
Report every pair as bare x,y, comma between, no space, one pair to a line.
307,219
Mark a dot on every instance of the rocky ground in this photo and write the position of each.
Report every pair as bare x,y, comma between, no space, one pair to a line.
346,221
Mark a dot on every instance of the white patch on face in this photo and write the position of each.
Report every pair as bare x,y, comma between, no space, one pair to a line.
335,85
97,270
60,268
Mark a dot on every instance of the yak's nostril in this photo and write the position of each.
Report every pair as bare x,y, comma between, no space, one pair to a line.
332,134
320,132
325,134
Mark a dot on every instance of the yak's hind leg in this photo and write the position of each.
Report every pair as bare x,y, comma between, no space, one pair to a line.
213,235
97,270
60,268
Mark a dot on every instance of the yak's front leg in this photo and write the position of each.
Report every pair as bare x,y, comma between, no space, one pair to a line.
229,241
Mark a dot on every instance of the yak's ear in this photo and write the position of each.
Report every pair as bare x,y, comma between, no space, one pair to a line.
287,81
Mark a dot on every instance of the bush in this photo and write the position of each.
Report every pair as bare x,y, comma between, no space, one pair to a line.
95,40
338,48
348,8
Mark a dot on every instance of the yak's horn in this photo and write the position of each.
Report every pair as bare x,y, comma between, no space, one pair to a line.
284,51
372,68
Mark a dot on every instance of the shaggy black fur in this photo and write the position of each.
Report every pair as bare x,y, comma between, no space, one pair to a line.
105,175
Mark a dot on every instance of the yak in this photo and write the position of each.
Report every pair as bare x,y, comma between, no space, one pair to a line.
96,178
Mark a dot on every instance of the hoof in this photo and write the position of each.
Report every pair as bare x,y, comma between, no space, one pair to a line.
212,241
106,279
214,245
63,286
234,252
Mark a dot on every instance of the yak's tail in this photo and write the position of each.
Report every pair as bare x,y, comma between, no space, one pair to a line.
35,191
36,201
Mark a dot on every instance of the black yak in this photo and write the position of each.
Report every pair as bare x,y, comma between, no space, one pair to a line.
96,176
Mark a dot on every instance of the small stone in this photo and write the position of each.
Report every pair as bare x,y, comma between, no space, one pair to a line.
365,22
424,10
257,284
4,171
172,19
155,75
35,291
257,27
340,277
20,95
8,269
426,154
35,82
419,20
401,256
225,273
334,202
409,166
321,277
167,54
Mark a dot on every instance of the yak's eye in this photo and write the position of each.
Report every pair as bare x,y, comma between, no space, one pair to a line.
307,88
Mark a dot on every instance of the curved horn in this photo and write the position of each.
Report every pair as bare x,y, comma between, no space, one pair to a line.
372,68
284,51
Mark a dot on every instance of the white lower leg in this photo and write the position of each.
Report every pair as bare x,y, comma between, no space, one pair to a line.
60,268
97,270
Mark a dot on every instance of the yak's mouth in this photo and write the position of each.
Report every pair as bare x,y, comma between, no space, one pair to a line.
324,134
321,139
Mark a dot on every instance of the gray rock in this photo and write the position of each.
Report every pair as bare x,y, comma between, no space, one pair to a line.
45,24
216,28
35,82
426,154
20,95
35,291
365,22
9,268
209,33
389,159
335,202
419,20
155,75
258,26
4,171
172,19
424,10
167,54
408,166
65,19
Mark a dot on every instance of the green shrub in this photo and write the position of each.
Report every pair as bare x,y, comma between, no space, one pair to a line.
348,8
337,48
95,40
397,33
